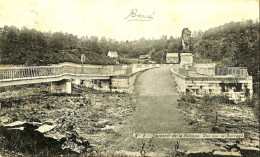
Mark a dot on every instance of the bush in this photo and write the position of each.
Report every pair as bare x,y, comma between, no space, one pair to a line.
222,99
188,98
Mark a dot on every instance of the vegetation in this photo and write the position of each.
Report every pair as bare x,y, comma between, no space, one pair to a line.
209,103
225,44
206,101
253,104
31,47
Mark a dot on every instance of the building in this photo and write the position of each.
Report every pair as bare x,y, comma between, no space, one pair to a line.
172,58
112,54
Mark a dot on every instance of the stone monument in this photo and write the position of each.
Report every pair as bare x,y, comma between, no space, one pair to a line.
186,58
185,39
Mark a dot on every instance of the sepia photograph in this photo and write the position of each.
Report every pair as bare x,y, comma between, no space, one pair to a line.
129,78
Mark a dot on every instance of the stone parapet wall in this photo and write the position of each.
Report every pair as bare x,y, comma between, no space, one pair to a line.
236,88
11,72
124,84
205,69
141,67
112,77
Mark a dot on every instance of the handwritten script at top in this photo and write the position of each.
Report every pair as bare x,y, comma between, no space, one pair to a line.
134,16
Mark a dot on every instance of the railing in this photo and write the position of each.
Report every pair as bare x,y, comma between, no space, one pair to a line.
232,71
30,72
54,70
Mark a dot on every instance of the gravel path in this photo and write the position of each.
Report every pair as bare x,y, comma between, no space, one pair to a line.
157,103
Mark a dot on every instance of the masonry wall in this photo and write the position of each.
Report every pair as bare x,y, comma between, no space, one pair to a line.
120,84
205,69
63,86
236,88
124,84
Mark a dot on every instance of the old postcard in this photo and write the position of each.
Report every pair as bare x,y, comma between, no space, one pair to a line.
129,78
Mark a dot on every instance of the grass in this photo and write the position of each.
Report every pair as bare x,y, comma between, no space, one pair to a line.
209,106
252,103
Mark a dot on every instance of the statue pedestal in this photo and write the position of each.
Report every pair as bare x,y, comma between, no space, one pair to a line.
186,59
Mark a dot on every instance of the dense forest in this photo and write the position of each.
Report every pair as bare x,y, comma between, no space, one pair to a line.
231,44
31,47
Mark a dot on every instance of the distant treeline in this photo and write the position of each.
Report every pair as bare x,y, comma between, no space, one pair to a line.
31,47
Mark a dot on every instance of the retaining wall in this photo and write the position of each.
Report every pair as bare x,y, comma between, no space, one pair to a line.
236,88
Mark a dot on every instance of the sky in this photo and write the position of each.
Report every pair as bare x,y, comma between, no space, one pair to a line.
110,18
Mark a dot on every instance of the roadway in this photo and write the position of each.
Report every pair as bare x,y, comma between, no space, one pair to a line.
157,112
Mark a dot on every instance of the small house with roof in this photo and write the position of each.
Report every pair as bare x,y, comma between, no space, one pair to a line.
172,58
112,54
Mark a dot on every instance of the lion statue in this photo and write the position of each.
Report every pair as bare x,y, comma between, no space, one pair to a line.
185,35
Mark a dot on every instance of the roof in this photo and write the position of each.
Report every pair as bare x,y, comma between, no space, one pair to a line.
172,55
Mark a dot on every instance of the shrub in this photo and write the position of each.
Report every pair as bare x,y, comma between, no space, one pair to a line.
188,98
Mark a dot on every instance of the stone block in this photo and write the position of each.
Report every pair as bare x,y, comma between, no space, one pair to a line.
186,59
63,86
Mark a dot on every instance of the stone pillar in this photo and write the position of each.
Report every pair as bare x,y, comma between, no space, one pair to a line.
68,87
120,84
63,86
186,59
